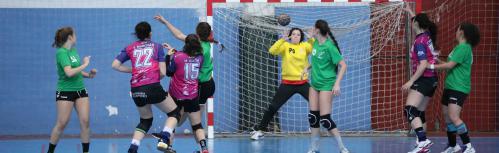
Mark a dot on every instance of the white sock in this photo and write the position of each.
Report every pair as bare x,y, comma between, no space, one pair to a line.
340,142
167,129
136,142
315,141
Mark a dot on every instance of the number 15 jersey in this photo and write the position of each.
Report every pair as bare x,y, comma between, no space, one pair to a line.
185,69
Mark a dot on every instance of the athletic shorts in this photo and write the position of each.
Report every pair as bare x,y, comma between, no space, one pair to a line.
189,105
148,94
425,85
206,90
70,95
453,97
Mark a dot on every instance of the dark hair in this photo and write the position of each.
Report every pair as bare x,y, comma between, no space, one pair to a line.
203,30
324,30
192,45
61,36
143,30
302,37
425,23
471,33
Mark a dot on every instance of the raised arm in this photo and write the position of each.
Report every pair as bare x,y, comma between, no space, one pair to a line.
176,33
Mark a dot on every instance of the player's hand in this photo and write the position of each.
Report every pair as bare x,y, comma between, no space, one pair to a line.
407,8
160,19
170,49
311,32
92,73
86,60
304,73
336,90
407,85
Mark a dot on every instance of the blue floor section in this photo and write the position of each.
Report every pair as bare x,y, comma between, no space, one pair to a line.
186,144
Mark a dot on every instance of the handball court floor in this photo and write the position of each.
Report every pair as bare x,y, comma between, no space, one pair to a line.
288,144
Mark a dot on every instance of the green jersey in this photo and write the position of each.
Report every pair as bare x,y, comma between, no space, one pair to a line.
65,57
325,58
207,67
459,77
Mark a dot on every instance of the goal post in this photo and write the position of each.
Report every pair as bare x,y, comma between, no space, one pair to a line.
370,33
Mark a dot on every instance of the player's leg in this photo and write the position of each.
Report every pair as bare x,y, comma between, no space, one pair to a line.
314,119
197,128
451,129
325,106
145,123
284,92
456,101
422,108
414,99
82,106
169,107
64,107
206,90
422,114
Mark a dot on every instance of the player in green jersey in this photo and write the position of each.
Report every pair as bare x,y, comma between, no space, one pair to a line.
458,85
325,82
71,91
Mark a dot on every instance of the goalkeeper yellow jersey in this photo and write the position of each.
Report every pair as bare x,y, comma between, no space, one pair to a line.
294,60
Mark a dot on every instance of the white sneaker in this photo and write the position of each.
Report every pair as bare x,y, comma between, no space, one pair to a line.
344,150
423,147
450,149
313,151
256,135
468,148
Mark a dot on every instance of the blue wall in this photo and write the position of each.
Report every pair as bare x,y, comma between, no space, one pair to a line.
29,71
28,68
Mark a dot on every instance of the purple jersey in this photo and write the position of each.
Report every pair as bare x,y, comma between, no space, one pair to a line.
423,50
185,69
145,57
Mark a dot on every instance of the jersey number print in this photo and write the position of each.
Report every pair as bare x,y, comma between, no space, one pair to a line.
191,71
143,57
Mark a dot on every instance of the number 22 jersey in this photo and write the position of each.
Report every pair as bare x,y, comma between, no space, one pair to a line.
145,57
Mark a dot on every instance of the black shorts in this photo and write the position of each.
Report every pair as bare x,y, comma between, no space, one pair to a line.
453,97
189,105
206,90
148,94
425,85
70,95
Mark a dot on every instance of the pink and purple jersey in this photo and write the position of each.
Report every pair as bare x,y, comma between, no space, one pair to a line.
423,50
185,69
145,57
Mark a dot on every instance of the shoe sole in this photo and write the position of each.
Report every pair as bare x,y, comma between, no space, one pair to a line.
162,147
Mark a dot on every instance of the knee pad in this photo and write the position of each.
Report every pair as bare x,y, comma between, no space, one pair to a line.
144,125
422,117
411,113
451,127
327,122
313,119
175,113
461,129
197,127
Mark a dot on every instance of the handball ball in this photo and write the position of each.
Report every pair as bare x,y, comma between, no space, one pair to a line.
283,19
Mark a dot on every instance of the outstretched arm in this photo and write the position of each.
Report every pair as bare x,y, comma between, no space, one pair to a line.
176,33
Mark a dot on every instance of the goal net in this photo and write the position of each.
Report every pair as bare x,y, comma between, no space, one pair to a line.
373,38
